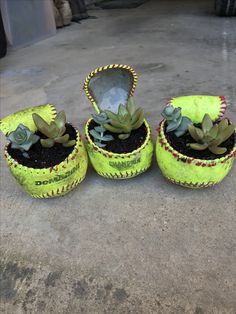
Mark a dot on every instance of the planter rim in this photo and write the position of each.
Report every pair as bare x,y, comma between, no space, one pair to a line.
199,162
107,67
222,105
24,116
25,168
106,152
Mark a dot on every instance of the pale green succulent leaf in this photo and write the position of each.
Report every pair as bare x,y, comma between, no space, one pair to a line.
60,119
124,119
69,143
213,131
217,150
122,111
128,128
112,128
131,106
111,115
62,139
116,123
199,133
53,130
139,122
207,124
62,131
197,146
226,133
223,124
41,124
216,142
48,143
123,136
208,138
192,132
136,115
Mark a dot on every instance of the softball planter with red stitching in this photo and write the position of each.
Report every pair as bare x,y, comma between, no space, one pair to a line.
188,171
45,182
109,88
120,166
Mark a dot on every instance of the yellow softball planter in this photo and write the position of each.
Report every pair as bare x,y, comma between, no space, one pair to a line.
50,162
196,149
118,136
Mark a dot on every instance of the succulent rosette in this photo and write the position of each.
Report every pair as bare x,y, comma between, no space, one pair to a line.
22,138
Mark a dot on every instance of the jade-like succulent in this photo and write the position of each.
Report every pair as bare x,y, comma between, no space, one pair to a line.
126,120
211,136
100,118
99,136
22,138
175,121
55,131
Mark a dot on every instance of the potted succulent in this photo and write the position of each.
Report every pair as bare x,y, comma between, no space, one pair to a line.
45,154
118,137
196,149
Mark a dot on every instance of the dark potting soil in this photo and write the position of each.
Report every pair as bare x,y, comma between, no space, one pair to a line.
133,142
42,157
180,144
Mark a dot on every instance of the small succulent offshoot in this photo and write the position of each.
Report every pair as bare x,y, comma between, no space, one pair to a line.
22,138
126,120
55,131
100,137
175,121
101,118
211,136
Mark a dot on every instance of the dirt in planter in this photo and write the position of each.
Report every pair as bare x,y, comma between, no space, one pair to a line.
180,144
133,142
42,157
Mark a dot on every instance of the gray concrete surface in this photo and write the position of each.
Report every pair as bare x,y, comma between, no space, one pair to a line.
137,246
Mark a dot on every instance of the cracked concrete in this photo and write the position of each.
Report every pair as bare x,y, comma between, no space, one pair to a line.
137,246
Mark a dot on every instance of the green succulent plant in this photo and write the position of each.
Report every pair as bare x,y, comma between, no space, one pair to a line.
211,136
126,120
55,131
175,121
22,138
99,136
101,118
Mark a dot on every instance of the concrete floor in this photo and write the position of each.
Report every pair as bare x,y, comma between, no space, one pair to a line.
137,246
